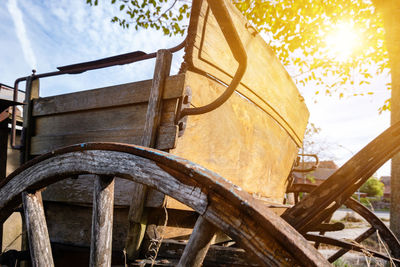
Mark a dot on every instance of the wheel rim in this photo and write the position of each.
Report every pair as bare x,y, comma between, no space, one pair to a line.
255,228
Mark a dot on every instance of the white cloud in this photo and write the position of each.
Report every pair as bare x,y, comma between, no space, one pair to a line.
21,33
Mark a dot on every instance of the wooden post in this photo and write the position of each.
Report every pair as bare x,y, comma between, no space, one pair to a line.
136,227
32,92
3,163
199,243
38,236
102,221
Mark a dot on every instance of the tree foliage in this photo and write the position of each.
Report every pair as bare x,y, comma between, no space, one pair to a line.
297,32
373,187
165,15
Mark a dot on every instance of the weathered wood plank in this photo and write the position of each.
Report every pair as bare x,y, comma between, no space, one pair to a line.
217,255
199,243
39,242
115,118
119,95
79,191
153,117
265,82
71,224
41,144
102,222
154,107
238,140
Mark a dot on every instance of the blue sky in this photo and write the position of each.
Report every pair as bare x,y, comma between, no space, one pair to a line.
50,33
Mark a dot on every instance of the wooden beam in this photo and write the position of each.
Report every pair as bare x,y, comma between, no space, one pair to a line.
112,96
199,242
153,116
3,162
38,236
32,92
102,221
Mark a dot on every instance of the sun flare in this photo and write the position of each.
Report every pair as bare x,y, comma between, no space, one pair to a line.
343,41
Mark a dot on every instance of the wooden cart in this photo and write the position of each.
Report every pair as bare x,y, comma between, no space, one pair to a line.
147,154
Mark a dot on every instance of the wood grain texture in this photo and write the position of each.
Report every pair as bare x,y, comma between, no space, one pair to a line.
198,244
102,222
154,107
217,255
265,82
71,224
238,140
79,191
168,137
262,233
39,242
118,95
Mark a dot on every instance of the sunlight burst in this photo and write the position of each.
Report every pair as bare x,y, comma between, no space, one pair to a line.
343,41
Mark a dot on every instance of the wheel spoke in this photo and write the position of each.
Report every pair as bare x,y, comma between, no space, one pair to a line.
102,221
199,242
38,236
359,239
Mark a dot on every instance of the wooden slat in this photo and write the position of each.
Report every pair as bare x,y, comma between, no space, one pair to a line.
238,141
102,222
116,118
216,256
79,191
199,242
39,242
44,143
265,82
119,95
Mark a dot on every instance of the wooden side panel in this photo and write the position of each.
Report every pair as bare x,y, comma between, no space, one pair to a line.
239,141
123,124
265,82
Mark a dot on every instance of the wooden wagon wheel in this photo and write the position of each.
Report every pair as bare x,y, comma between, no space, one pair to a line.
259,231
377,225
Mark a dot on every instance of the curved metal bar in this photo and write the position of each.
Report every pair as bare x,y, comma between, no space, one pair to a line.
315,166
14,113
257,229
225,22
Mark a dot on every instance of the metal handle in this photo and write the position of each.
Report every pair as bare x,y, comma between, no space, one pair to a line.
225,22
312,168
